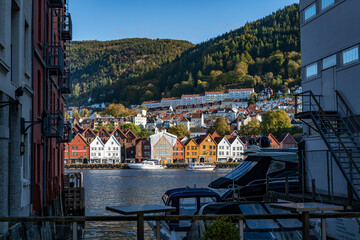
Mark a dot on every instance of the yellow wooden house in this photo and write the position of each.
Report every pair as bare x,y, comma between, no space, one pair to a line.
207,149
191,151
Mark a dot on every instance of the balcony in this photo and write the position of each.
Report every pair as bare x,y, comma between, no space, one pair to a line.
67,135
55,58
53,124
66,27
56,3
65,83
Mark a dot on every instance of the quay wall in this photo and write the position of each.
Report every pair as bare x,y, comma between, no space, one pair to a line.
124,165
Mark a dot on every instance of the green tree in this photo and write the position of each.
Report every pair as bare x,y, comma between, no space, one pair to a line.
252,128
275,122
85,113
221,126
221,229
179,130
75,113
253,98
145,134
109,127
136,129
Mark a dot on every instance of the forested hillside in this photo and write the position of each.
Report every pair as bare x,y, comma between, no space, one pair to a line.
98,65
262,53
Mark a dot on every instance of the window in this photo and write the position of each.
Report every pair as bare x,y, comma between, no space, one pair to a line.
76,147
350,55
326,3
204,146
84,147
311,70
310,11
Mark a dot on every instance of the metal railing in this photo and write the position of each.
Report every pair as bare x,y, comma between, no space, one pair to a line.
53,125
56,3
55,56
65,83
347,114
240,218
66,27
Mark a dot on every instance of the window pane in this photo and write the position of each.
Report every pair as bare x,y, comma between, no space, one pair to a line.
351,55
329,61
326,3
311,70
310,12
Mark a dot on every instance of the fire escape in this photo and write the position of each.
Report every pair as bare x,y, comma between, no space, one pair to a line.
339,129
58,71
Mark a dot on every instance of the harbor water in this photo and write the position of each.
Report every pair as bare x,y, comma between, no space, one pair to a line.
127,187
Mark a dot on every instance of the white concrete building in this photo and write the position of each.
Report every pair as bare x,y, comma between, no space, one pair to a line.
152,104
140,120
215,96
197,120
190,99
97,150
112,152
243,93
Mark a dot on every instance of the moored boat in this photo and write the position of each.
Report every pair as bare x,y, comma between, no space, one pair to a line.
150,164
200,167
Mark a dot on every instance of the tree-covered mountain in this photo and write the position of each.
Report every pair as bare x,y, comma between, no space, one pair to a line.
260,54
97,65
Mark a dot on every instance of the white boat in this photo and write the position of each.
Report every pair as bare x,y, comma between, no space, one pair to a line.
200,167
147,164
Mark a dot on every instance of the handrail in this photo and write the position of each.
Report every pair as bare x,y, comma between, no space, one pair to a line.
338,94
337,136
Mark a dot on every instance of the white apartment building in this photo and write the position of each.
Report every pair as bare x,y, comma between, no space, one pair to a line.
243,93
215,96
152,104
96,150
197,120
192,99
170,102
112,152
140,120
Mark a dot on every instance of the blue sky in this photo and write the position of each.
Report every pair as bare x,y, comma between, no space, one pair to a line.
192,20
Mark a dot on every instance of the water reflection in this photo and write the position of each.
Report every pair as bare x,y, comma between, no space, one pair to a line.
126,186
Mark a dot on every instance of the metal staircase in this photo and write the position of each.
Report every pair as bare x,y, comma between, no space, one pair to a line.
339,130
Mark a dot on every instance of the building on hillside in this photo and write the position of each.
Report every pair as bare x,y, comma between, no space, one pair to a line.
243,93
162,146
152,104
77,151
197,132
142,151
130,146
170,102
215,96
178,152
140,120
112,151
50,32
223,149
197,120
330,60
207,149
97,151
191,99
183,120
191,151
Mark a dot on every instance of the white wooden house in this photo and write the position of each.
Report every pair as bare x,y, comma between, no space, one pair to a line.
96,150
223,151
112,152
237,148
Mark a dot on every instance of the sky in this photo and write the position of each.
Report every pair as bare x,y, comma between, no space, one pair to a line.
192,20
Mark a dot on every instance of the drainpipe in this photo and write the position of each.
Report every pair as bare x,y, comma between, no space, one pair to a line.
32,109
44,106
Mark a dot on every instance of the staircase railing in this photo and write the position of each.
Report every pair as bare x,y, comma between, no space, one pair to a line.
326,129
348,115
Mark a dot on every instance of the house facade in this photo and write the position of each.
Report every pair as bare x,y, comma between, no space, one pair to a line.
142,150
77,151
207,149
223,149
237,148
178,152
97,151
112,151
161,145
191,151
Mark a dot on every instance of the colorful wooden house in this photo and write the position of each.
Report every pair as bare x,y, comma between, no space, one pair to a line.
77,151
274,143
178,152
207,148
287,141
142,149
191,151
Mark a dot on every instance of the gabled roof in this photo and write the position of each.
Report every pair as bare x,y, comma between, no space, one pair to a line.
285,136
201,138
190,140
97,139
215,134
81,137
88,130
274,138
119,131
114,139
129,131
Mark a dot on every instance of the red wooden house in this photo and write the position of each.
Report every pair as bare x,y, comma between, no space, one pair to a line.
143,150
77,151
179,151
287,141
274,143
